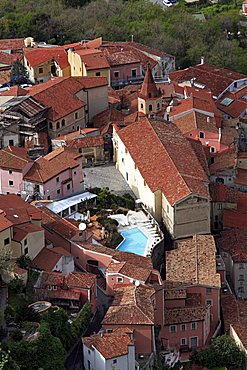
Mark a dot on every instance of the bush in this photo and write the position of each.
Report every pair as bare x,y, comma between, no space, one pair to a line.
16,335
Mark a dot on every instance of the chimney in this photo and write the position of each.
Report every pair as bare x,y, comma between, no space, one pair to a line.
219,135
202,60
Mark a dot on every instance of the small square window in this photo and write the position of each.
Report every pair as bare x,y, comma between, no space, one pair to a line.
68,186
173,328
11,142
97,74
183,341
120,280
57,179
201,135
6,241
11,183
116,74
74,172
209,302
41,71
25,241
183,327
114,361
209,290
26,250
193,326
58,191
10,172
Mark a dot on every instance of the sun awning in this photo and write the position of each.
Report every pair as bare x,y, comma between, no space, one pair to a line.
60,205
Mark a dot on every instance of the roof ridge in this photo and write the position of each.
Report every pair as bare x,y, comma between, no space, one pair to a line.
170,157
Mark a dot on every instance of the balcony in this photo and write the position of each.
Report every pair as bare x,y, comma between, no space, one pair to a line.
128,81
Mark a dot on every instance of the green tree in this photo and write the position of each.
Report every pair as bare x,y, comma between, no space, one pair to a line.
19,73
222,352
82,320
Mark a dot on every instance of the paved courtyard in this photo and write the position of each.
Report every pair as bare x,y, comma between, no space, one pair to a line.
106,176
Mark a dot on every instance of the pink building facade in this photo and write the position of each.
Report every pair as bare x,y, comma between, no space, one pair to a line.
124,72
208,139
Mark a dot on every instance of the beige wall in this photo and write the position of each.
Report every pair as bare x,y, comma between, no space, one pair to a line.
3,236
192,216
143,105
71,124
35,243
96,100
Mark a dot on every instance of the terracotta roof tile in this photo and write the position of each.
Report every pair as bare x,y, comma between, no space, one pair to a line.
21,231
184,314
122,57
14,158
39,56
234,242
48,258
131,306
51,165
195,120
93,59
11,44
224,160
193,261
17,210
222,193
72,280
109,345
4,222
7,59
215,79
162,147
85,142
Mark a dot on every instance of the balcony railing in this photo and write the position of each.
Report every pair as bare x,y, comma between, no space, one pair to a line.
135,80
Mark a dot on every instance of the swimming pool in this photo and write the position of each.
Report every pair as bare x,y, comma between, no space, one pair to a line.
134,241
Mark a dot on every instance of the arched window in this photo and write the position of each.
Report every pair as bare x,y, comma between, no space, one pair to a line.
63,122
150,107
58,125
158,105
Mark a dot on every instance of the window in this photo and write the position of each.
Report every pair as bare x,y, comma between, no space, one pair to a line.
149,95
49,197
68,186
97,74
58,125
133,73
63,122
120,280
74,172
116,74
76,115
58,191
10,172
11,183
89,352
88,365
50,125
127,176
158,105
150,107
109,330
6,241
173,328
209,302
241,266
141,106
183,327
240,289
201,135
11,142
25,242
219,206
208,290
241,277
26,250
183,341
212,149
167,208
193,326
41,70
114,361
57,179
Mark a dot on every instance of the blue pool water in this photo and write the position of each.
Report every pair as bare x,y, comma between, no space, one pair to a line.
134,241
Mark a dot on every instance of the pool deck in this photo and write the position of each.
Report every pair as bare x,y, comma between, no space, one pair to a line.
147,226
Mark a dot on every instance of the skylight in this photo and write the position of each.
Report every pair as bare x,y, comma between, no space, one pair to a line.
226,101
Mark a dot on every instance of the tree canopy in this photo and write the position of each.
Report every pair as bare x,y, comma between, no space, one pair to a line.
221,39
222,352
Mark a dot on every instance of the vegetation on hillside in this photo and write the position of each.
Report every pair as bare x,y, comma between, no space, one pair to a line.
221,39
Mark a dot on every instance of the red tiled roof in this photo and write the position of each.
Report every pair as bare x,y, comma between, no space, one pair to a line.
162,148
193,261
108,115
195,120
65,89
109,345
14,91
193,103
131,306
14,158
48,258
4,222
85,142
21,231
47,167
148,88
222,193
122,57
93,59
55,223
215,79
234,242
234,109
11,44
184,314
241,177
5,75
200,153
8,59
17,210
224,160
83,280
39,56
237,218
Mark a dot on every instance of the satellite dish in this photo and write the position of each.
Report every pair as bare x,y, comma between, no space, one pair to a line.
137,283
82,226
